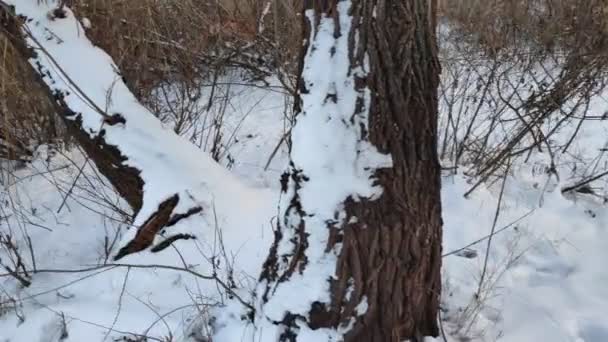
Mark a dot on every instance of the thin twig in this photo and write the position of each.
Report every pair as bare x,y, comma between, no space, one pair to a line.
584,182
488,236
276,149
107,267
492,232
119,309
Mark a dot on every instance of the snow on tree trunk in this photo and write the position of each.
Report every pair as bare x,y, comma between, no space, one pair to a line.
357,251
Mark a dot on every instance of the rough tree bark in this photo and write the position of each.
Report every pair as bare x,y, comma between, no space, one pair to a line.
386,284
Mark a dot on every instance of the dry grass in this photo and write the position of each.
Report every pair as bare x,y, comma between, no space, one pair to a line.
538,25
158,44
155,41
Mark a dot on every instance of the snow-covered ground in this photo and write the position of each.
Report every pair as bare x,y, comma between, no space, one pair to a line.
545,279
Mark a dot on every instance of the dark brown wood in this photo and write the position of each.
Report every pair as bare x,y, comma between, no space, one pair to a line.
147,232
391,255
396,264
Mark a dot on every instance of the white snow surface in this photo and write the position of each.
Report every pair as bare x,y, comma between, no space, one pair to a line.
547,279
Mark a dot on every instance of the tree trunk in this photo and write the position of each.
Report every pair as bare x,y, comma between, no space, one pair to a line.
384,250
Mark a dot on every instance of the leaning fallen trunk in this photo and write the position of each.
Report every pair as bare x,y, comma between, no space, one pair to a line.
107,158
163,177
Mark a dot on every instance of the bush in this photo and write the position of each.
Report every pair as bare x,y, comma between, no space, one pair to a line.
531,26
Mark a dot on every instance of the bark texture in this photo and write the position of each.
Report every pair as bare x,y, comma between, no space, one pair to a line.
390,256
397,262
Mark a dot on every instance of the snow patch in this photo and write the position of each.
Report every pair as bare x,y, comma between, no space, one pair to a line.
86,23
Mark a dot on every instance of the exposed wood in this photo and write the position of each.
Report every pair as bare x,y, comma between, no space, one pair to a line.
147,232
170,240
